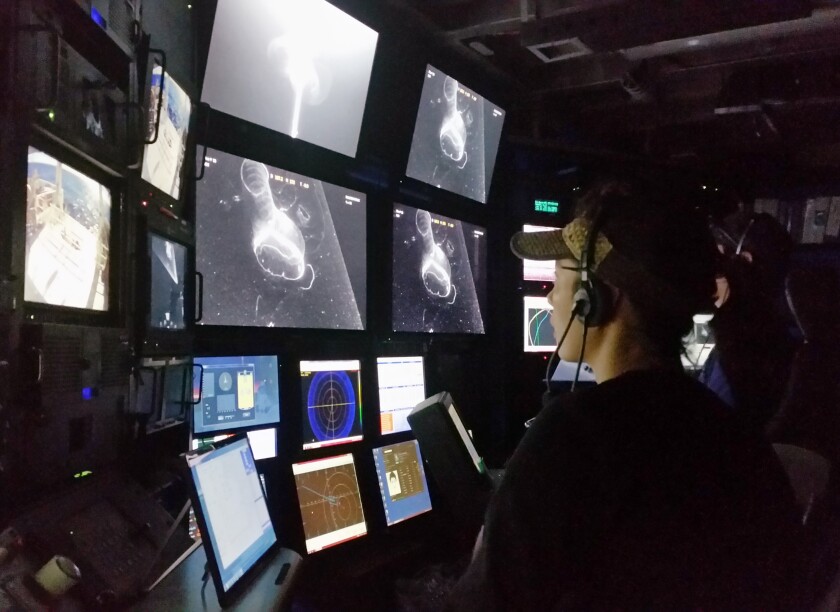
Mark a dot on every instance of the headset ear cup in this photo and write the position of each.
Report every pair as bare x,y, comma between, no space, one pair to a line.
583,304
600,303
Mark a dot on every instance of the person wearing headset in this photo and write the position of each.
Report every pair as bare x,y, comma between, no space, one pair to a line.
751,360
642,492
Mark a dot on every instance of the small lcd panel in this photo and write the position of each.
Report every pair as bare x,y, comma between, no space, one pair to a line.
536,270
236,392
402,385
698,343
565,371
163,160
331,399
300,67
439,273
538,335
279,249
68,230
402,481
168,266
456,137
330,503
263,442
231,508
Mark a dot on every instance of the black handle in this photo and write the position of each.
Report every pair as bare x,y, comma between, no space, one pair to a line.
162,54
200,297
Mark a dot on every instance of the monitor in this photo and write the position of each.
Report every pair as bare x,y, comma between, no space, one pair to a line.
163,159
698,343
68,232
167,272
439,273
232,514
456,137
279,249
300,67
330,502
263,442
235,392
538,335
536,270
402,481
331,400
402,385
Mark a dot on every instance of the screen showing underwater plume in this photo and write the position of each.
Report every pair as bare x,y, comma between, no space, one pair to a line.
279,249
300,67
439,273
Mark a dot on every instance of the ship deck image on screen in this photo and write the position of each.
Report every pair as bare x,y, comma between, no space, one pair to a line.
68,229
236,392
168,267
279,249
329,500
402,481
439,282
163,160
456,137
300,67
331,400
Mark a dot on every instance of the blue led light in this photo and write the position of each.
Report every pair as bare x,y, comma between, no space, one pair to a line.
98,18
87,393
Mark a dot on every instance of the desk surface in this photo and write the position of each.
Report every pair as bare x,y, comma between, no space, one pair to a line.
181,590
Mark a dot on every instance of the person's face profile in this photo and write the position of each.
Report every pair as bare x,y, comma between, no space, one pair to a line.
561,299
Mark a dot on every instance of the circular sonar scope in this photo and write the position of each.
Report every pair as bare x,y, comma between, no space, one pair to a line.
331,405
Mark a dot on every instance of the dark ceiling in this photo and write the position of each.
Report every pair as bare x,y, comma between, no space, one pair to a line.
724,83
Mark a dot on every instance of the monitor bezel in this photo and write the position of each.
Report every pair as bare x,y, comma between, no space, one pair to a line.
38,312
229,596
154,341
342,442
401,521
197,404
155,192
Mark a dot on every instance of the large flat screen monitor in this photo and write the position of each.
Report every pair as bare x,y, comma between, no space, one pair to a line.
402,481
279,249
456,137
538,335
439,273
536,270
232,514
167,274
330,502
236,392
68,231
163,160
402,385
300,67
331,399
263,442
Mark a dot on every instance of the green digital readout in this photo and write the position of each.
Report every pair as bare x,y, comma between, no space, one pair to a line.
546,206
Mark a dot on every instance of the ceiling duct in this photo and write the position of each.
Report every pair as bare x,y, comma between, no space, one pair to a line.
559,50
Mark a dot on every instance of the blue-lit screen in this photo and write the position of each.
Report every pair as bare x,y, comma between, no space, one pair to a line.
402,481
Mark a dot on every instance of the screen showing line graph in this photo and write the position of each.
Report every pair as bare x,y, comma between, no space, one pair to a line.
329,500
331,399
538,335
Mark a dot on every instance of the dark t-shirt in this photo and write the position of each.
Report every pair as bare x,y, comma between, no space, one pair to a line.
643,492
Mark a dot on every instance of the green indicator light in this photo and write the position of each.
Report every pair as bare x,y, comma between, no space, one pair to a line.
51,115
547,206
83,474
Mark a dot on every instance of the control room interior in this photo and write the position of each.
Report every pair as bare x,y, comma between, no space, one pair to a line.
288,222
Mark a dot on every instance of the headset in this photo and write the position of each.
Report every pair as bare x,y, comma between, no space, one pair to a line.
593,294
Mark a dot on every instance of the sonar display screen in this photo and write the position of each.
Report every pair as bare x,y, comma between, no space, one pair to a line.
329,500
439,267
537,331
331,395
236,392
168,269
68,230
279,249
456,137
300,67
163,160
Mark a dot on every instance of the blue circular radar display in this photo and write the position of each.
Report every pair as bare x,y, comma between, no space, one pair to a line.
331,405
